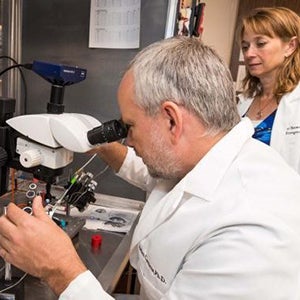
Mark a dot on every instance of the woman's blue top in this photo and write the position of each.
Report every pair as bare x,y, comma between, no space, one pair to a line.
262,131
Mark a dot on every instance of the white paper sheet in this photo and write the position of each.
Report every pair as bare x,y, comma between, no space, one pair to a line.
115,24
106,218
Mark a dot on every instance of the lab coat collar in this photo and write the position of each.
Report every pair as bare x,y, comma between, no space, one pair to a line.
207,174
294,95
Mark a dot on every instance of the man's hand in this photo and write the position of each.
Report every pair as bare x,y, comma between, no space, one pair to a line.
35,244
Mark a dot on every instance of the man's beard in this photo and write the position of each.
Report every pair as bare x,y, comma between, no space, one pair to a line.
159,159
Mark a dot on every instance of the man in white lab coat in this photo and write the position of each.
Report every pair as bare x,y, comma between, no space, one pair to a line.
222,220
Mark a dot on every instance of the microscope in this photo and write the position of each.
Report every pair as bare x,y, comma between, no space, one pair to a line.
44,144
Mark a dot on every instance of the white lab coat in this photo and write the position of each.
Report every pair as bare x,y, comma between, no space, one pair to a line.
285,136
229,229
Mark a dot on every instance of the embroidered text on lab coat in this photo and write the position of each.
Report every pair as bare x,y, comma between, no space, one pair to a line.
154,271
292,130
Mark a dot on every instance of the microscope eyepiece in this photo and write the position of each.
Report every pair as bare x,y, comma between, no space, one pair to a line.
109,131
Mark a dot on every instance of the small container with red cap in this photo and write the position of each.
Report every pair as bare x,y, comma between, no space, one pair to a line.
96,241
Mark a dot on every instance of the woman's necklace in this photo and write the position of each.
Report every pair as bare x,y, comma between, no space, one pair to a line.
259,113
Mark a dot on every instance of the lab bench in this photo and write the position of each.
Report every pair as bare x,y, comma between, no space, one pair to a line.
107,263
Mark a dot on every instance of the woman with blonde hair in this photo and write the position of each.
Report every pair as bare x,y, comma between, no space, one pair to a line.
271,99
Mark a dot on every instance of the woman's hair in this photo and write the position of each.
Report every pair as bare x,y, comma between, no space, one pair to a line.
189,73
273,22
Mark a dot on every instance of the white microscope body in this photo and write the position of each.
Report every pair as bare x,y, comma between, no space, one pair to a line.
51,139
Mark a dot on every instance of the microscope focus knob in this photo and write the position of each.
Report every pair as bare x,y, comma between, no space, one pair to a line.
30,158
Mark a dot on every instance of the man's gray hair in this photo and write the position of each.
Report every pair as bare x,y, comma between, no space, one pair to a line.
189,73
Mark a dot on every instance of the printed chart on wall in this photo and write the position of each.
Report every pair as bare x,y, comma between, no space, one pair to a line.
115,24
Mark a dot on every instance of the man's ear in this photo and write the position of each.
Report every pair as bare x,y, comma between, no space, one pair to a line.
173,116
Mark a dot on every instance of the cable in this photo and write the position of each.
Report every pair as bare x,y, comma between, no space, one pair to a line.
59,201
73,196
80,169
27,66
72,182
22,77
107,167
13,285
102,172
10,58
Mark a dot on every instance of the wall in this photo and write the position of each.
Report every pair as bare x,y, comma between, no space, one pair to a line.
57,31
219,25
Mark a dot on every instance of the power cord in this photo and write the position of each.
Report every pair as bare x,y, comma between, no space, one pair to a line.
13,285
22,78
27,66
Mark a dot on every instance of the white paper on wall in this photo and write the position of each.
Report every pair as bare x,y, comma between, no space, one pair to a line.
115,24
